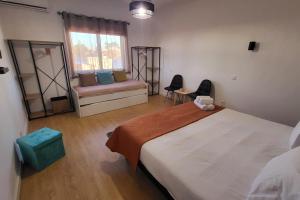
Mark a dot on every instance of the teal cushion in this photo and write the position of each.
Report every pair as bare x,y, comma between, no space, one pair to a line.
105,77
40,138
41,148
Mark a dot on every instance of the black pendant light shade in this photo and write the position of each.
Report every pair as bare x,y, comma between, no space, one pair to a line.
141,9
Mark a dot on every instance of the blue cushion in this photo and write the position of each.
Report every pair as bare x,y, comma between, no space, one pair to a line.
40,138
105,77
41,148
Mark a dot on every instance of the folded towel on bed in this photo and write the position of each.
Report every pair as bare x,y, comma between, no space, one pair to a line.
205,100
203,97
204,107
204,103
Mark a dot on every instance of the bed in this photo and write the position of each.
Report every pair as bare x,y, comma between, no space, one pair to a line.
217,157
97,99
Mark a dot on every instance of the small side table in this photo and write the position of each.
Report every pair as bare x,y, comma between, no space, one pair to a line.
181,95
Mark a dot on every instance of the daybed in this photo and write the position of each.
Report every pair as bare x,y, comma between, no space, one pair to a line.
92,100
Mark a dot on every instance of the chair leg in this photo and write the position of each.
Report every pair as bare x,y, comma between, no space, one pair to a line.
173,96
166,97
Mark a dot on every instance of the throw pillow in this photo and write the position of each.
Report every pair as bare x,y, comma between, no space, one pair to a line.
120,76
105,77
295,137
87,79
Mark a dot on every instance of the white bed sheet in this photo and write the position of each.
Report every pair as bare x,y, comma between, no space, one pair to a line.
215,158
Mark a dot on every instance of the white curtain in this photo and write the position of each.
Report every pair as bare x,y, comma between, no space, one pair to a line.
94,52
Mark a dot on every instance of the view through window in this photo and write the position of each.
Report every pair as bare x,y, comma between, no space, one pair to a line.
94,52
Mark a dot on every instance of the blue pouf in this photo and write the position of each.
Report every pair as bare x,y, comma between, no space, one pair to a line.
42,147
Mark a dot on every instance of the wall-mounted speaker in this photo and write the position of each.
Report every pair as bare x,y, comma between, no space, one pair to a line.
3,70
252,46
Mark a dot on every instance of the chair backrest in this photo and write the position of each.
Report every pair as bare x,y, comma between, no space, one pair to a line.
204,88
177,82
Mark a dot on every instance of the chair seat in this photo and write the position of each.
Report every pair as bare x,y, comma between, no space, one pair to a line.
170,89
193,95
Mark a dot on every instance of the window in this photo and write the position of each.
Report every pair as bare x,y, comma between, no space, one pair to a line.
94,52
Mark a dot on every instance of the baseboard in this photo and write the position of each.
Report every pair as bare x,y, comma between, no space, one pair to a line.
18,188
18,181
25,129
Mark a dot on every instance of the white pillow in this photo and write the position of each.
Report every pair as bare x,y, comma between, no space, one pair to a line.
295,137
279,179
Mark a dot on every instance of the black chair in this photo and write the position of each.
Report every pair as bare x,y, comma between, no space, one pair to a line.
176,84
203,90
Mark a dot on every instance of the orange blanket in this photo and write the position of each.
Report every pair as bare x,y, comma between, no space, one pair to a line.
128,138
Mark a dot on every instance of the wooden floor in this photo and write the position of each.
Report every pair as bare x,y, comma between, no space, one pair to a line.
89,171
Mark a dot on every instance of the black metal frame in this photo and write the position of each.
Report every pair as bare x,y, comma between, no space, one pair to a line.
135,67
37,76
37,69
165,192
16,64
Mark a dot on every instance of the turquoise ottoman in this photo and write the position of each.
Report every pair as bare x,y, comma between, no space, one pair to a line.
42,147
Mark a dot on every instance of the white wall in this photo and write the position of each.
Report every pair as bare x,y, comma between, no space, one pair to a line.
27,24
209,39
202,39
199,38
13,123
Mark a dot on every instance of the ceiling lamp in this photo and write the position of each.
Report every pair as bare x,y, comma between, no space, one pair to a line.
141,9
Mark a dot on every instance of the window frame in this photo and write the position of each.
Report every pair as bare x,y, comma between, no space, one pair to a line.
123,51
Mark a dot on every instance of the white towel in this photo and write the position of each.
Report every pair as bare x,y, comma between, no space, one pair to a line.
205,100
204,97
204,107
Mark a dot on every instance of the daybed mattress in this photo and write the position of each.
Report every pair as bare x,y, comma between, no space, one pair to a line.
214,158
109,89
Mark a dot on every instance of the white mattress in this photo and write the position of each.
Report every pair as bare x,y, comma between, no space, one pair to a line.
215,158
